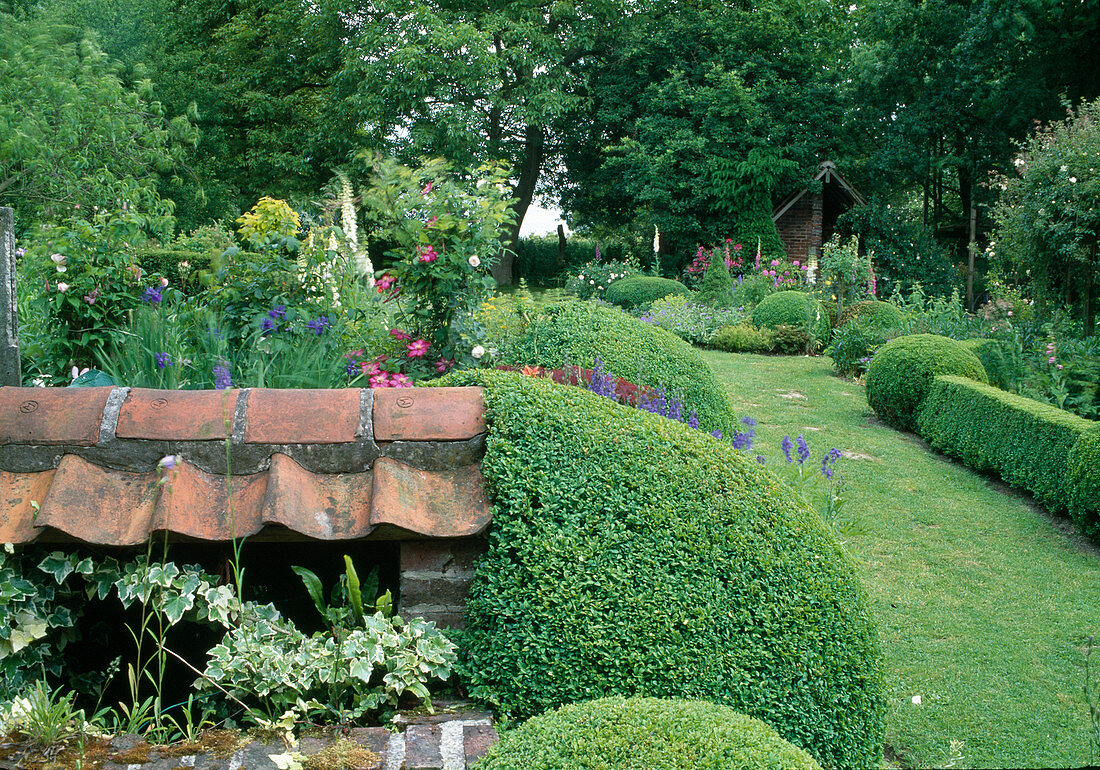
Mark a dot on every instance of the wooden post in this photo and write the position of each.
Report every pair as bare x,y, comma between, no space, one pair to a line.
972,249
561,245
10,373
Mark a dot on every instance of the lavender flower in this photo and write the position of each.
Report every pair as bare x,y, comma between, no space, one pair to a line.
268,325
761,459
787,446
602,384
318,325
163,360
742,441
716,433
830,457
675,409
169,462
222,377
277,313
803,449
750,422
153,294
693,419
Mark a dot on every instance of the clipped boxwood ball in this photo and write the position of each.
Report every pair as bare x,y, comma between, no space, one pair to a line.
630,554
902,371
882,315
641,291
645,734
793,308
576,333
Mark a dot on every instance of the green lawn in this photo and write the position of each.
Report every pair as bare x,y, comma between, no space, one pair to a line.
983,601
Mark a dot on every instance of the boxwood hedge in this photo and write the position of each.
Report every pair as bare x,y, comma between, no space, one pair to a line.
793,308
645,734
640,291
902,370
1084,480
632,555
576,333
882,315
1028,443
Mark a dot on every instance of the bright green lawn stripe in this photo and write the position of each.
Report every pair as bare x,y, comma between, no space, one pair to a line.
982,604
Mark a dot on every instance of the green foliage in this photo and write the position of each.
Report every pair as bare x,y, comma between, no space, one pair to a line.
267,224
902,371
1083,479
848,271
576,333
716,288
946,316
854,344
75,136
537,257
743,338
185,269
639,292
689,321
644,734
1027,443
82,280
790,340
883,315
44,717
594,278
999,361
447,230
1048,218
793,308
751,290
587,590
904,251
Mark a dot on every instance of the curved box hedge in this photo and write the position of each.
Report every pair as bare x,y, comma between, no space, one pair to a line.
793,308
576,333
632,555
902,371
883,315
645,734
641,291
1028,443
1084,480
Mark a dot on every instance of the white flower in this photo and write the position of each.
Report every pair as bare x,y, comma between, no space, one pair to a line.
169,462
591,282
61,268
477,352
77,372
916,700
58,259
1073,180
62,287
474,261
163,281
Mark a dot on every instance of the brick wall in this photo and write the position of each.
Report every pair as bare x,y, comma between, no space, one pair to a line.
435,577
800,228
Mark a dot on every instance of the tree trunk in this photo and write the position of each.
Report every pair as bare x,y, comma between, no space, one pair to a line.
534,147
972,250
561,246
1090,292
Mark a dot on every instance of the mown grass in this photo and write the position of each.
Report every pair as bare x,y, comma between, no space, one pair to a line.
983,601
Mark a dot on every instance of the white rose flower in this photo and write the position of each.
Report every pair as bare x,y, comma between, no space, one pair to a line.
61,268
474,261
58,259
62,287
477,352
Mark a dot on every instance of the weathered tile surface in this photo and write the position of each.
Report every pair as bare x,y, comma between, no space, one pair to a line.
51,415
177,415
428,414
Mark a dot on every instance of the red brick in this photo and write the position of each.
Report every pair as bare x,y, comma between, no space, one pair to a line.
302,416
422,748
447,557
177,415
476,740
51,415
428,414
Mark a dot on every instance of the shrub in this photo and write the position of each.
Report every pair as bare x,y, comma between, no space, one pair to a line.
752,288
793,308
996,358
881,314
690,322
1084,482
645,734
853,346
1026,442
593,279
632,555
793,341
638,292
743,338
716,288
576,333
902,370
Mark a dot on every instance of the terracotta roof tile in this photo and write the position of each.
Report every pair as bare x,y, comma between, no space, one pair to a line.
177,415
302,416
111,493
428,414
435,503
51,415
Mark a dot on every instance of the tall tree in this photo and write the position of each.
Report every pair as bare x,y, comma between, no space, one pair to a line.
704,110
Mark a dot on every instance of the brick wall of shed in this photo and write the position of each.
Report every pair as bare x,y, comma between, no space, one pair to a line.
800,227
435,576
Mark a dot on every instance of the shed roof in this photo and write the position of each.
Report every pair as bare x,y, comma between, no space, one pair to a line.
826,174
85,464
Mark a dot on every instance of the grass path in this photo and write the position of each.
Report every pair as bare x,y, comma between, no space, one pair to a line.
983,602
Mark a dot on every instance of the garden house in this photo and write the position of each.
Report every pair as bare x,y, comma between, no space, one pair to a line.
806,219
391,476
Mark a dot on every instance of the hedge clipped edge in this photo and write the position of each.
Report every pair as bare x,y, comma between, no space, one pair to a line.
1026,442
641,291
1084,481
645,734
779,309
